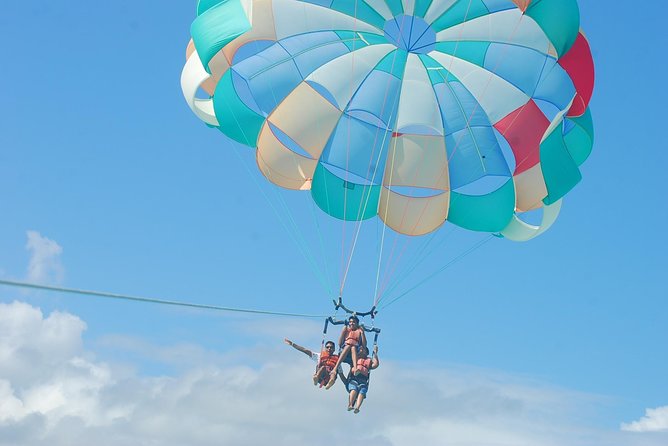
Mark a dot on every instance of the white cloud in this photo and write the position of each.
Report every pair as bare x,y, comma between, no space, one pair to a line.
31,344
174,355
53,391
43,370
655,420
44,265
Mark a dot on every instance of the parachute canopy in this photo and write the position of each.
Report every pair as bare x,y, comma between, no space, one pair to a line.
418,111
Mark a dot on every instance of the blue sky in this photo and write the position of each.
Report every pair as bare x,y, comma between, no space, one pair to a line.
108,182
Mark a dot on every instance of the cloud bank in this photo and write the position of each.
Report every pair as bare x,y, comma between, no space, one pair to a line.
44,265
655,420
54,391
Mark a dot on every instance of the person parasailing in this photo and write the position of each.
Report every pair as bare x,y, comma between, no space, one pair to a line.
327,361
357,385
351,339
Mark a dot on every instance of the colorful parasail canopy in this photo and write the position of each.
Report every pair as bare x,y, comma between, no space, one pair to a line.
418,111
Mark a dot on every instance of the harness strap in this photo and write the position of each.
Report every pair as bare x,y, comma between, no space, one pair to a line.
322,344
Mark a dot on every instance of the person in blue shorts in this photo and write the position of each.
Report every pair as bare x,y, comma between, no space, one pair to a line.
357,383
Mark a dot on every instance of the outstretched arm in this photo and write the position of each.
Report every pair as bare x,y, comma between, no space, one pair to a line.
306,351
375,362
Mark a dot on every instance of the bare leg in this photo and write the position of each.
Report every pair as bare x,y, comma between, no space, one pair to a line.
351,399
318,375
360,400
353,353
332,375
332,379
342,356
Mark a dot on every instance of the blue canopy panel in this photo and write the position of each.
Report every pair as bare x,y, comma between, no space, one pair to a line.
410,33
459,109
474,153
499,5
506,150
460,12
312,50
554,87
349,176
360,140
357,9
359,148
473,146
262,80
251,49
549,109
375,102
520,66
568,126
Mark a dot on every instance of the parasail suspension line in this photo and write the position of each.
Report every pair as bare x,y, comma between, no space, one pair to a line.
440,270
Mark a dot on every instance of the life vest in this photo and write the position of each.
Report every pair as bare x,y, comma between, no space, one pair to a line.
364,365
353,337
328,360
